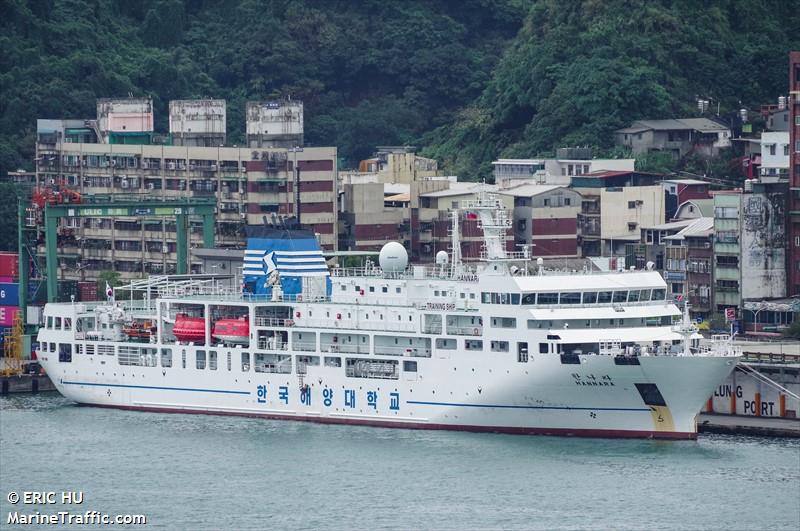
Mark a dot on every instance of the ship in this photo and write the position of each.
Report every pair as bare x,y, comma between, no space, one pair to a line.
502,345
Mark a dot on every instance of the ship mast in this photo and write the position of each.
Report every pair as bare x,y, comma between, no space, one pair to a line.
455,244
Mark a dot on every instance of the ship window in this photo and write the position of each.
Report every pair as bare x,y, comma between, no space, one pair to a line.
327,314
462,294
529,298
201,359
472,296
52,347
436,293
67,323
372,289
620,296
65,352
604,297
504,322
383,289
644,295
229,361
590,297
410,366
543,348
473,344
331,361
486,298
515,298
212,360
446,344
58,323
499,346
659,294
547,298
344,287
633,296
50,321
78,349
570,298
357,288
183,359
166,357
245,362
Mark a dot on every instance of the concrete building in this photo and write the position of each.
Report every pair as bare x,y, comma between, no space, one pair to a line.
793,254
367,223
678,191
688,266
275,124
775,155
614,206
197,122
546,219
676,137
749,245
251,186
128,119
558,171
395,165
778,120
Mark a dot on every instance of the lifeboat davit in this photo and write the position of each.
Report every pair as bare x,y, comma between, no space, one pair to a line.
190,329
233,331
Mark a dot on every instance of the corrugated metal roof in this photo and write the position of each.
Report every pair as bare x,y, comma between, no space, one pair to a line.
698,124
700,227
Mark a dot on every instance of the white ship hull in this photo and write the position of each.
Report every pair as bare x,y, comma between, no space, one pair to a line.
464,392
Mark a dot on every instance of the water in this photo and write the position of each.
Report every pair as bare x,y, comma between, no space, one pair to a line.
207,472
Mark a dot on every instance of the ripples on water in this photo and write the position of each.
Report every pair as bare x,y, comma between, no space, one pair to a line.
209,472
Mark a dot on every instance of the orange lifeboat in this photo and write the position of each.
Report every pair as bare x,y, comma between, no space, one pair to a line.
233,331
139,330
189,329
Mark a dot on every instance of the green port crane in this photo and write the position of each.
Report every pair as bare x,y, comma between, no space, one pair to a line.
108,206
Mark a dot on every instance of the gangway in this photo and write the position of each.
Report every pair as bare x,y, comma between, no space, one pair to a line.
749,369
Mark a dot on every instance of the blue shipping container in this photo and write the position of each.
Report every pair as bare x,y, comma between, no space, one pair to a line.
9,294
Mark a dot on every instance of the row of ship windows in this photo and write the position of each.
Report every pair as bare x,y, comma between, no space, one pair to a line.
262,363
586,297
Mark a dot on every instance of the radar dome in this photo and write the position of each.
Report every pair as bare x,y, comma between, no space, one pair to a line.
442,258
393,257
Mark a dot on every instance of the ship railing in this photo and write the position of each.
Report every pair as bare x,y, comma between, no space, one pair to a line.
345,348
415,352
304,346
266,344
361,324
272,321
465,330
416,272
366,369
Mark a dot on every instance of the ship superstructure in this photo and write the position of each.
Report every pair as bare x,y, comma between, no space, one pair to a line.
500,346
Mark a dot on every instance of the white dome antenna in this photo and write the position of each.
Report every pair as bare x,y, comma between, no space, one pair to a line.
442,258
393,258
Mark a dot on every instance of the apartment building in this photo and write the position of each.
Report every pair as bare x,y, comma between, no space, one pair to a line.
252,186
749,245
793,254
569,162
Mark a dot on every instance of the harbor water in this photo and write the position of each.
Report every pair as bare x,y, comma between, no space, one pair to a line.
213,472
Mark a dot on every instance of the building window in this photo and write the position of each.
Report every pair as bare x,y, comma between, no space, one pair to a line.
566,201
632,226
631,204
772,149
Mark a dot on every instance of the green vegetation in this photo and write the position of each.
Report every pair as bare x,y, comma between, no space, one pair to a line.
579,70
369,72
469,81
9,192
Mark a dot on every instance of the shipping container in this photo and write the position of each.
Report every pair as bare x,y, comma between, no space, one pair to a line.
9,264
88,291
7,314
9,294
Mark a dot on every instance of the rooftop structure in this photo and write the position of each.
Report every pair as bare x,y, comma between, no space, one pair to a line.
676,136
275,124
197,122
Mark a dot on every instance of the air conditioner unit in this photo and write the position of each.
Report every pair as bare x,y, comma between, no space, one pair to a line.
123,183
243,215
84,163
213,167
145,165
181,166
113,163
151,186
171,165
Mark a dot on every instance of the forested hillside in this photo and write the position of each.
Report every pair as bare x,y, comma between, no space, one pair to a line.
579,70
369,71
467,80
